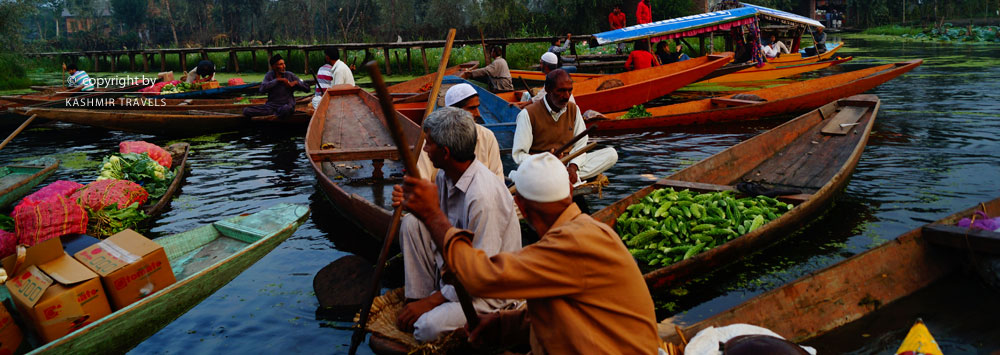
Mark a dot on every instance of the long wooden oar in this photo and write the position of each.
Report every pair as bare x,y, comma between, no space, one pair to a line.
410,163
565,160
18,130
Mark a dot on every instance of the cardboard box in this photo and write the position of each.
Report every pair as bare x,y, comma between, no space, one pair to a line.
56,293
131,266
210,85
10,334
165,76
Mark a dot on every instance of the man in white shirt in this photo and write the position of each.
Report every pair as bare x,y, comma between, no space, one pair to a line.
545,125
334,72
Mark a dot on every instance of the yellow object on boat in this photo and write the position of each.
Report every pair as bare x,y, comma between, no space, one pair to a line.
919,341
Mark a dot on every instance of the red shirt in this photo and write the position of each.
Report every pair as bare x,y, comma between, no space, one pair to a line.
643,13
616,20
640,59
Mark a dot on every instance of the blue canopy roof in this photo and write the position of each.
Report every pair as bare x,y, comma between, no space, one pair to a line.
700,21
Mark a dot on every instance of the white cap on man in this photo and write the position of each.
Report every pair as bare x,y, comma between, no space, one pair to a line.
541,178
457,93
550,58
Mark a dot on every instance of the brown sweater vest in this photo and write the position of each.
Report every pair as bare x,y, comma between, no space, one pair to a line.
547,134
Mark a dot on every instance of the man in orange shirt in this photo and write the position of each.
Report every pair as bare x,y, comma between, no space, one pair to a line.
617,21
584,292
642,12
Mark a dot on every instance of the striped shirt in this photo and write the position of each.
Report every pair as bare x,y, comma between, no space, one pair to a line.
330,75
80,78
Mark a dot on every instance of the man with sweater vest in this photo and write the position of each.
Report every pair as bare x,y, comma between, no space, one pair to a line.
547,124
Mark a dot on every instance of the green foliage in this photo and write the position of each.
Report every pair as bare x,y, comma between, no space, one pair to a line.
637,111
110,220
12,72
6,223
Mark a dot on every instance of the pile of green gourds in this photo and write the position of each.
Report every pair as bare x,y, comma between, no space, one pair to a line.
668,226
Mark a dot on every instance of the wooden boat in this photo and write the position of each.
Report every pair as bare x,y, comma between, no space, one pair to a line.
852,289
17,180
789,98
203,260
178,154
537,76
217,93
417,89
799,58
812,153
349,146
640,86
147,104
772,71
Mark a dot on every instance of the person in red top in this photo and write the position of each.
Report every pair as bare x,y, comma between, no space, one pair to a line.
642,12
617,21
640,58
616,18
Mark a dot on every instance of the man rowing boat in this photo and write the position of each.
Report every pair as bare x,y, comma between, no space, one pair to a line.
585,294
471,197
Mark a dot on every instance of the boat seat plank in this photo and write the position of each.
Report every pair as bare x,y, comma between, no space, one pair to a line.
724,102
963,238
845,120
352,154
350,123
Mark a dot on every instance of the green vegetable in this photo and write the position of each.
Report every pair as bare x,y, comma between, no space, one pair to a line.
6,223
637,111
110,220
140,169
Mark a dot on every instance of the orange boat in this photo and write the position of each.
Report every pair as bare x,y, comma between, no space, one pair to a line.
421,84
771,71
797,58
794,97
531,75
640,86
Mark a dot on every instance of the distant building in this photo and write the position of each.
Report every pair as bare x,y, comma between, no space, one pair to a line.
84,19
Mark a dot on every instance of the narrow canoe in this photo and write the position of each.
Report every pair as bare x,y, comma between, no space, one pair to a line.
17,180
148,104
176,123
790,98
640,86
217,93
178,154
847,291
422,84
797,58
203,260
346,142
537,76
795,155
771,71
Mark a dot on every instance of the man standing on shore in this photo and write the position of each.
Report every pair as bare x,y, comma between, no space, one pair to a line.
642,12
616,19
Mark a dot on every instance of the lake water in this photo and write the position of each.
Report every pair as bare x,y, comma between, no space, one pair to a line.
934,150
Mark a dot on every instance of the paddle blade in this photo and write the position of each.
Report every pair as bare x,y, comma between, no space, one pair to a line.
341,287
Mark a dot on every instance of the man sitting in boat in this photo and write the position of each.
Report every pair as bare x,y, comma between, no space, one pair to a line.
558,46
334,72
640,57
497,73
546,125
465,97
280,86
778,46
471,197
585,293
820,38
78,80
548,63
205,71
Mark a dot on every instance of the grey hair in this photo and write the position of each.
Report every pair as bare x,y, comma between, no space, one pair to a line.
453,128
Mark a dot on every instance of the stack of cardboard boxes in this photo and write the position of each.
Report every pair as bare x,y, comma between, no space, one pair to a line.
57,294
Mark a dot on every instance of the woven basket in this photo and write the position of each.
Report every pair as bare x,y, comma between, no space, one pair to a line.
382,322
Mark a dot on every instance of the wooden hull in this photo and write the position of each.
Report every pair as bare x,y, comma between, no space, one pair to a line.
790,98
797,58
640,86
537,76
217,93
846,291
179,153
350,119
129,326
793,155
17,180
176,124
774,71
423,83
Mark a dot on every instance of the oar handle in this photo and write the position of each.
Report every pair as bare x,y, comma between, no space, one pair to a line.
575,139
17,131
